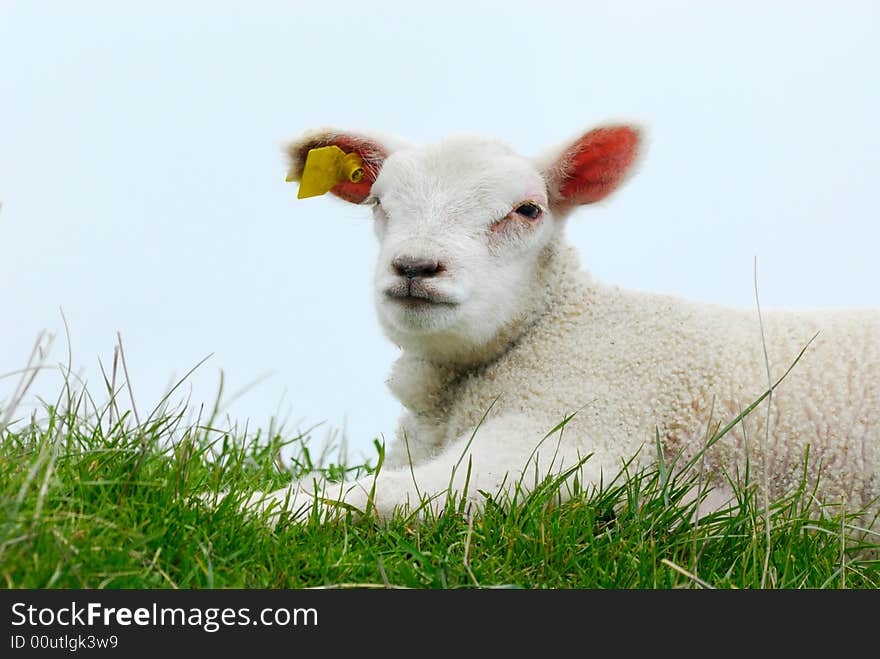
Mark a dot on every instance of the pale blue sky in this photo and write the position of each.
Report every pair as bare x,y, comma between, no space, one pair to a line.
142,180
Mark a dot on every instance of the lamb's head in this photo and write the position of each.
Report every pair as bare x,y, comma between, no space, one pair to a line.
464,226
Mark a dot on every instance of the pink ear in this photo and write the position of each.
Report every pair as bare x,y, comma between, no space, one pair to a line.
591,168
371,152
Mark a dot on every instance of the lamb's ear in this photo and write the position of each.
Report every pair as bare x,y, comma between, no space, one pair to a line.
372,150
592,167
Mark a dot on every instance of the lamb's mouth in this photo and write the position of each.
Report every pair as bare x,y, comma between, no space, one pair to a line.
414,295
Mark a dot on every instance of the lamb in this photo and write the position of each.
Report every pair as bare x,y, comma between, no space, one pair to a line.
502,336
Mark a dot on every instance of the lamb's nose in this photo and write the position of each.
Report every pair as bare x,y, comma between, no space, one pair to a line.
412,268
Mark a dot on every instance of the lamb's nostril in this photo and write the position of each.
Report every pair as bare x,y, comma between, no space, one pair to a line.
413,268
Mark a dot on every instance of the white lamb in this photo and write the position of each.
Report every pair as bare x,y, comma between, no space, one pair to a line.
491,310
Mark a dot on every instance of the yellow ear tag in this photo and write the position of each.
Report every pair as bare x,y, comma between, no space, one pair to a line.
327,166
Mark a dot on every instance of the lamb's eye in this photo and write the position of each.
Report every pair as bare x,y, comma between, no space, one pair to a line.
529,210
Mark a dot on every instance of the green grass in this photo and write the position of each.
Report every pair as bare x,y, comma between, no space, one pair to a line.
93,501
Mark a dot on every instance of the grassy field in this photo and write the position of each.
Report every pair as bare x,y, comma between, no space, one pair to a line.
102,499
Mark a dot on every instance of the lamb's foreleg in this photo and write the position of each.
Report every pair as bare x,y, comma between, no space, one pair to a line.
505,454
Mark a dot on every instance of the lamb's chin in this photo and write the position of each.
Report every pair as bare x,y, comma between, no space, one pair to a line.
442,336
416,318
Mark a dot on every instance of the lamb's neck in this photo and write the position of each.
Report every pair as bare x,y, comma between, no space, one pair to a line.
420,382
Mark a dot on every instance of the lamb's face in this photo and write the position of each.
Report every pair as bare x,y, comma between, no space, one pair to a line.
460,227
